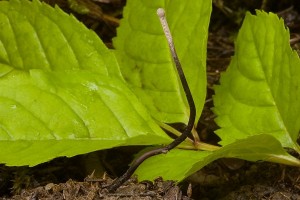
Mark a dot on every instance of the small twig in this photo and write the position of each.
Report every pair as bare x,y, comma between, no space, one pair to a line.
118,182
175,133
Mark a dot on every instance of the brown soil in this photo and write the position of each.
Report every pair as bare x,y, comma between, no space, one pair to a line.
64,178
93,188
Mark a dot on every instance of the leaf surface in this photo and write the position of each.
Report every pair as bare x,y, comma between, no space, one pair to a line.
179,164
260,91
62,93
145,58
36,36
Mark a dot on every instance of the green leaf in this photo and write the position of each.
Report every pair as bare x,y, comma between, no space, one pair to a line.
179,164
260,91
68,113
35,36
61,92
146,61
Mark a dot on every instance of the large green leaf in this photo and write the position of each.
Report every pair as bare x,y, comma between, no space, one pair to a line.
179,164
36,36
61,92
68,113
145,58
260,91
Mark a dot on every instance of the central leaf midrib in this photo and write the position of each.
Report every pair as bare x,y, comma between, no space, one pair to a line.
266,80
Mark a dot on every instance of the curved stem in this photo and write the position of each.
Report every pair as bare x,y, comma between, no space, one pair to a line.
118,182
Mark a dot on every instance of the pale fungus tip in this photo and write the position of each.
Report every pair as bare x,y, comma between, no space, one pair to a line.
160,12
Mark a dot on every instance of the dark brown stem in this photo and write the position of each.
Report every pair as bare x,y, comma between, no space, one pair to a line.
118,182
